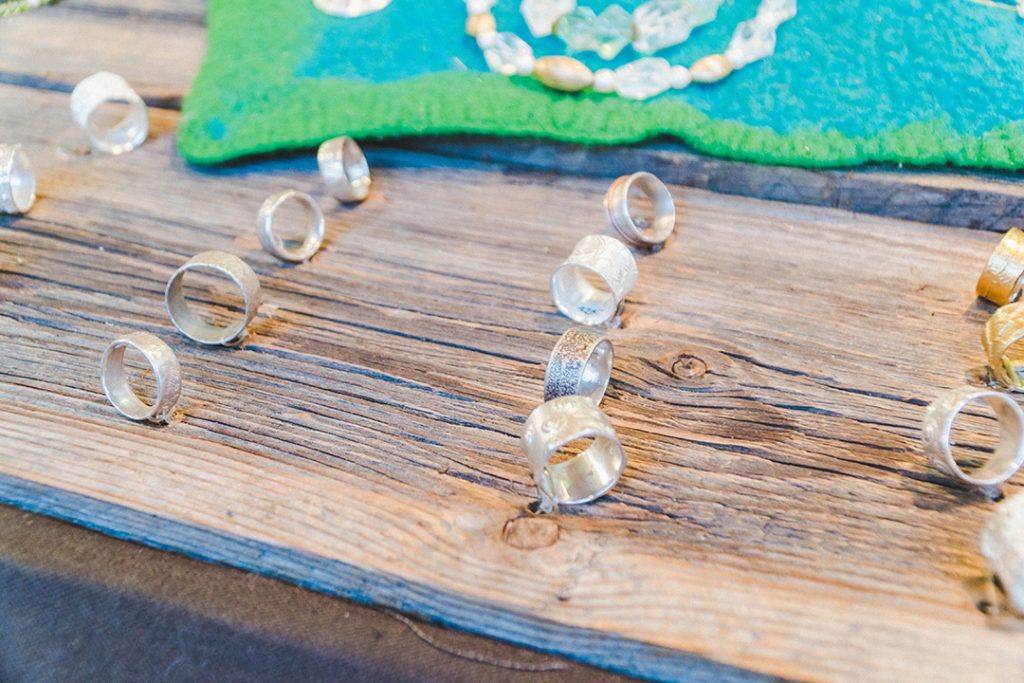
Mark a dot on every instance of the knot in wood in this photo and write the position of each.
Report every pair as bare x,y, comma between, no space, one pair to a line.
687,366
530,533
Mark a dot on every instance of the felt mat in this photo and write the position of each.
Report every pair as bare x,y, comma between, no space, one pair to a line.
916,81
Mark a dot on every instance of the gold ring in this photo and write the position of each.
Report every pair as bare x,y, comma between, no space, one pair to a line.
1000,281
1004,329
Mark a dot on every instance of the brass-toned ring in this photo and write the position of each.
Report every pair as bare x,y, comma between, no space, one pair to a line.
1004,329
1003,277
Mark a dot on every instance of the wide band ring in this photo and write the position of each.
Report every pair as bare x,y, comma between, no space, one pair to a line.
17,180
580,365
605,260
194,327
588,474
1004,329
643,233
937,434
165,369
99,89
344,169
314,228
1001,280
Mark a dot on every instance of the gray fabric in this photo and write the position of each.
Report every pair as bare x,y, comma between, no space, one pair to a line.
79,606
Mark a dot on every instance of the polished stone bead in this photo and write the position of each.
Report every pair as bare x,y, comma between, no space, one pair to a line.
478,24
680,77
350,8
604,81
710,69
664,23
541,15
753,40
606,34
563,73
508,54
643,78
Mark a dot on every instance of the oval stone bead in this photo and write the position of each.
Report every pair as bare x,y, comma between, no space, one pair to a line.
711,69
563,73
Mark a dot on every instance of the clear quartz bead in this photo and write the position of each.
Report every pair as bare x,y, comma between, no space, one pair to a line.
777,11
643,78
541,15
350,8
506,53
753,39
606,34
663,23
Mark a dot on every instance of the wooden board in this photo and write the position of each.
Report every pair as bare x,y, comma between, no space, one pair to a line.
776,519
55,48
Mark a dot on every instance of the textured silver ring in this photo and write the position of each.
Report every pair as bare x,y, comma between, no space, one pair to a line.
165,369
580,364
102,88
639,231
937,436
194,327
344,169
314,228
589,474
17,180
590,285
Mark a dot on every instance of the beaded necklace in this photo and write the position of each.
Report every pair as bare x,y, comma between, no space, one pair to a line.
654,25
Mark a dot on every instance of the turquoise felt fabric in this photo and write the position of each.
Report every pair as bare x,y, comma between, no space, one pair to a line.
858,80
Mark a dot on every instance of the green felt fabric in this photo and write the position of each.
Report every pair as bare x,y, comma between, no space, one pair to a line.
911,81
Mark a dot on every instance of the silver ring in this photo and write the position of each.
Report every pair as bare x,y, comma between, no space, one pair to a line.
590,285
17,180
1002,539
580,365
194,327
165,368
639,231
314,229
590,474
99,89
937,434
344,169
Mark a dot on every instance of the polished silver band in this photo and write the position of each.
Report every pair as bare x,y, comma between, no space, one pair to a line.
596,299
937,434
589,474
101,88
1002,541
165,369
580,364
639,231
194,327
314,227
17,180
344,169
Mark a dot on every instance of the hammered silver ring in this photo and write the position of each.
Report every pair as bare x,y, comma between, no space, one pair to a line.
589,474
590,286
165,369
102,88
344,169
580,365
273,244
936,436
194,327
17,180
636,230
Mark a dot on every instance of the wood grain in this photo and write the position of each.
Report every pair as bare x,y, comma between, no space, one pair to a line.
55,48
776,517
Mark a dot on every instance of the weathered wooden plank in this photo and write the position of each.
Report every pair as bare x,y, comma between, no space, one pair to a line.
38,50
773,364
